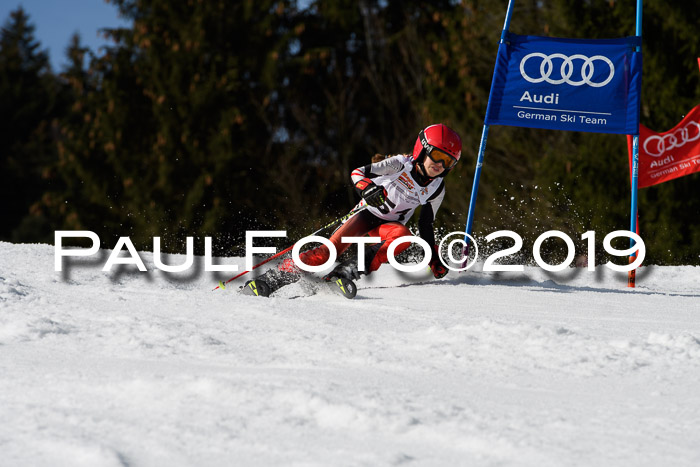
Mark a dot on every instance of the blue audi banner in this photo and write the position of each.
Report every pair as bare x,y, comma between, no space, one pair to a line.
567,84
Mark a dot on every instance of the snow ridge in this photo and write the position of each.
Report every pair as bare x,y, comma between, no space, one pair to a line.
531,369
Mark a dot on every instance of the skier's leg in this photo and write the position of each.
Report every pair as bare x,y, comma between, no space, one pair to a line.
376,255
287,272
356,226
276,278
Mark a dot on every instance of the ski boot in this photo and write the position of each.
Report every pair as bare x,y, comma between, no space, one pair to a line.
340,279
272,280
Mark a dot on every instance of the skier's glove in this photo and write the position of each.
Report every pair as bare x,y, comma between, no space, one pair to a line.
373,194
439,270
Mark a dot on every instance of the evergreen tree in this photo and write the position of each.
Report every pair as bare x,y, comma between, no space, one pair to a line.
28,104
206,118
176,132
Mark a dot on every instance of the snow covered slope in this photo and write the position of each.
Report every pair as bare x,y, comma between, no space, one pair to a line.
534,369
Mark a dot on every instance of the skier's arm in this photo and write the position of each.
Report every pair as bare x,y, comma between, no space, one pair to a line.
427,216
387,166
362,179
427,232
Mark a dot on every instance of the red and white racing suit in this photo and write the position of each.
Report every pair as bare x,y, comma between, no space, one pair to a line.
406,190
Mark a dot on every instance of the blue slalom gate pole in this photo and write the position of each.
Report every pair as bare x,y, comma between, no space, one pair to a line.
482,145
631,277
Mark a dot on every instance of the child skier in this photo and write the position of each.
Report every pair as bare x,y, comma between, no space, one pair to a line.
392,189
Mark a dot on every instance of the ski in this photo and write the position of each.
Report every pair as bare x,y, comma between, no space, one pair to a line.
338,285
222,284
258,288
342,286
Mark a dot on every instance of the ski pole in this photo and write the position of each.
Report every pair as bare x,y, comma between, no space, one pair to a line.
331,224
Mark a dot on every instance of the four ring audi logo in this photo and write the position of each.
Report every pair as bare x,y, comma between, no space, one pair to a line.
690,132
567,69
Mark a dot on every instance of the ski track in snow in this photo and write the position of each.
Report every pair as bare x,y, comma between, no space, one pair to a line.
534,369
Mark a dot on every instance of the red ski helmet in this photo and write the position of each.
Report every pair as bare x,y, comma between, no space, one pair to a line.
441,143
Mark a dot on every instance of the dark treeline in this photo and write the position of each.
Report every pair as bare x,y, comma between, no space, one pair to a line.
210,118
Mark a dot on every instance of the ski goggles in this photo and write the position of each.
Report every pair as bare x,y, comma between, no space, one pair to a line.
442,158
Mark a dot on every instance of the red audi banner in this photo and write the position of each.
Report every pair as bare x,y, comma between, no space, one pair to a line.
669,155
